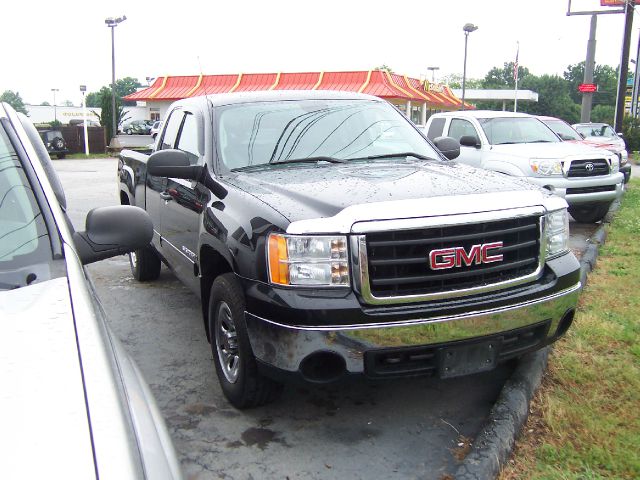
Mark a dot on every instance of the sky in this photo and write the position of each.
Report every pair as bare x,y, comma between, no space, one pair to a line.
66,44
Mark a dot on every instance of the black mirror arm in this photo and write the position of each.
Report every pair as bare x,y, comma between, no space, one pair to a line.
212,184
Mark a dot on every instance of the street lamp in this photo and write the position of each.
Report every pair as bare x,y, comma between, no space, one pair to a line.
55,113
112,23
433,73
468,28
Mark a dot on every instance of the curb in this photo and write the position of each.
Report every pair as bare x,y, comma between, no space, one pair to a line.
492,447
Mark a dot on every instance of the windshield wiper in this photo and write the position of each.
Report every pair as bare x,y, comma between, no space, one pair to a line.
310,160
540,141
507,143
393,155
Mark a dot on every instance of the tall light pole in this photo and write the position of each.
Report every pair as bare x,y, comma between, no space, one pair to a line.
433,73
468,28
112,23
55,113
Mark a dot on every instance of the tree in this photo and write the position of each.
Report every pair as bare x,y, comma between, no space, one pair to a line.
67,103
124,87
385,68
604,76
553,98
455,81
45,104
502,78
105,117
15,100
603,113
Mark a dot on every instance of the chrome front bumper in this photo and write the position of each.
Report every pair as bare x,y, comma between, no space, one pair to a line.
285,347
560,185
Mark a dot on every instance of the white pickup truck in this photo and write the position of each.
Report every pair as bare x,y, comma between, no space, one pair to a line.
520,145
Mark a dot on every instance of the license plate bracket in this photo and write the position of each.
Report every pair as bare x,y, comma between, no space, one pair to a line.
461,360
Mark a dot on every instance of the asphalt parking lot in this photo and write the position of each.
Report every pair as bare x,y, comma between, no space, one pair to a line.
397,429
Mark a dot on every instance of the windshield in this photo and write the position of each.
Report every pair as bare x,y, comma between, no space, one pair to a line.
507,130
596,131
52,135
25,251
272,132
563,130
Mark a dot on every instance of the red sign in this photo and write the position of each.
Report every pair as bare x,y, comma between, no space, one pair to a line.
612,3
587,87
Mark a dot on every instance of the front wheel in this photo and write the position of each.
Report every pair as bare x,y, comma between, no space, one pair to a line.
145,264
236,367
590,212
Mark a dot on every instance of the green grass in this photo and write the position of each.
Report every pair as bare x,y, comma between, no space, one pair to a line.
585,422
82,156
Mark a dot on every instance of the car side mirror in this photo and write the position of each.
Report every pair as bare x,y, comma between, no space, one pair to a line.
174,164
448,146
620,135
470,141
112,231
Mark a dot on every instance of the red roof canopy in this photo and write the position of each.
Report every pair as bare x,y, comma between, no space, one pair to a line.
390,86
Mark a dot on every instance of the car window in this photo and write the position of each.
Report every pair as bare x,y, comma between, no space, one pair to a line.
435,128
188,141
171,131
563,130
271,132
459,128
24,239
513,130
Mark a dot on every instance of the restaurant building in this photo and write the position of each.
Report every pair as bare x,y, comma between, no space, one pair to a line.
417,98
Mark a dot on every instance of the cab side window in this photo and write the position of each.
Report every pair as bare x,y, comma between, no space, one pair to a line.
188,141
460,128
435,128
171,131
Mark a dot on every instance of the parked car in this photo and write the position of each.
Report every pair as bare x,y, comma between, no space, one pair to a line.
523,146
155,128
137,127
55,143
73,403
327,238
603,134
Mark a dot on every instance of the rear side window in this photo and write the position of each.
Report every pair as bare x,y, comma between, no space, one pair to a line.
460,128
188,141
435,128
171,131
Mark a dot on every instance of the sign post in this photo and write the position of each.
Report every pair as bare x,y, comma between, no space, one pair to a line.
83,89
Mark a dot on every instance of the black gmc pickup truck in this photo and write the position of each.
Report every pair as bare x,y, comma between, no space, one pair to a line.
326,236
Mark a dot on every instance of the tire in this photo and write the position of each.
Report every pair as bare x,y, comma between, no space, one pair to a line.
60,155
128,131
590,212
236,367
58,144
145,264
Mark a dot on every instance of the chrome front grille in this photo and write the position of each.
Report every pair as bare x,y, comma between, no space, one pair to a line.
396,267
588,168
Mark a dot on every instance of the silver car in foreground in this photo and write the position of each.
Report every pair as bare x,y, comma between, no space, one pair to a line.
72,402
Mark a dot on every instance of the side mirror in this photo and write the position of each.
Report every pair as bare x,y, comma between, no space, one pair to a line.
620,135
470,141
448,146
174,164
112,231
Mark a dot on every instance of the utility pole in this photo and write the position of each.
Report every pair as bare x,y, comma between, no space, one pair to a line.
624,62
589,67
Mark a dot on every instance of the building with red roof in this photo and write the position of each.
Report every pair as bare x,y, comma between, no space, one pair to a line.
415,97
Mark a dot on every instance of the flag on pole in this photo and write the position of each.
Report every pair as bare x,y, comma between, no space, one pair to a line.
515,65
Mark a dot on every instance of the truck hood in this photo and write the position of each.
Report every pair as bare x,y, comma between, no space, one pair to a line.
42,403
558,150
301,192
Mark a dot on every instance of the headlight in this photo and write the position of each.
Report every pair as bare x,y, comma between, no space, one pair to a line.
546,166
308,260
556,232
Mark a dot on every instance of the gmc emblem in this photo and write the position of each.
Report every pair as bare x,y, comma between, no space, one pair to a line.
444,258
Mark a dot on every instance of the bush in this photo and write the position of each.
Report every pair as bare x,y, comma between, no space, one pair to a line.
631,132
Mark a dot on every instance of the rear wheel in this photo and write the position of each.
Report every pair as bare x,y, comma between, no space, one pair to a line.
590,212
145,264
236,367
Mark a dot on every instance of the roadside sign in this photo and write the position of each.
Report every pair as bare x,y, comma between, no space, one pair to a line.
587,87
612,3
